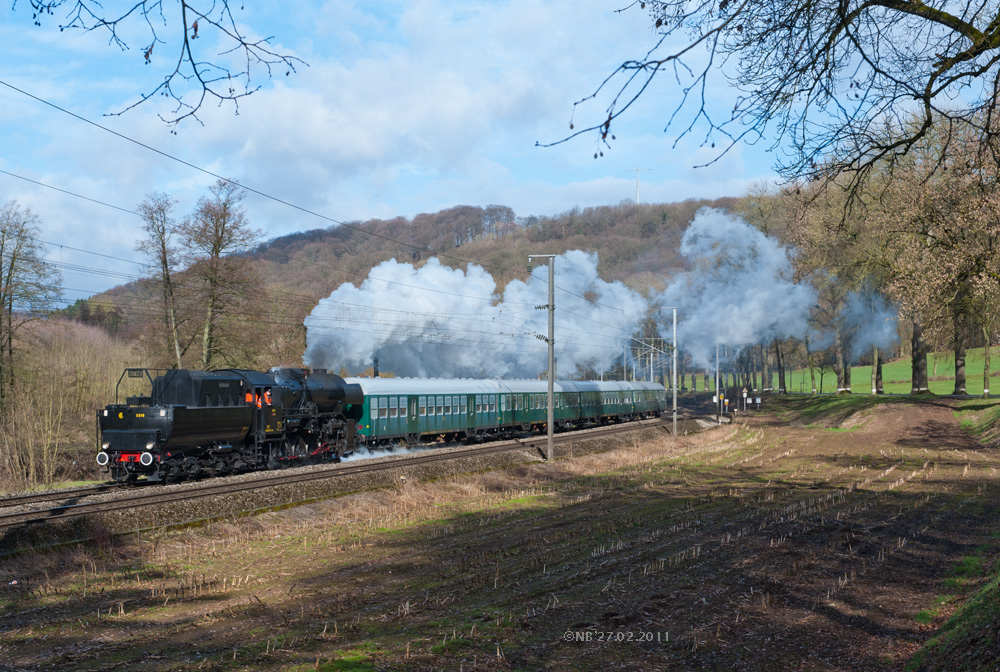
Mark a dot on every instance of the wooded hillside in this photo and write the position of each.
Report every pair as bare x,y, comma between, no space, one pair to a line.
636,246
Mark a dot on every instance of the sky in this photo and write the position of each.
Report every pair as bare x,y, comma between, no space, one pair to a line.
402,109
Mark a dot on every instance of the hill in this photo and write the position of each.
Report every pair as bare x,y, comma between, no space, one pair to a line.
637,245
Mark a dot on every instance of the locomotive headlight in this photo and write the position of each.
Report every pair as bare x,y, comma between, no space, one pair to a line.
150,445
106,445
105,412
146,459
103,458
163,412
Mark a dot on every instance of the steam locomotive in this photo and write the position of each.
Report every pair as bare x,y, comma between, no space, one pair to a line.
206,423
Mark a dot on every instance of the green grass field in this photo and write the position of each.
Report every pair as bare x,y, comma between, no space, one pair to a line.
896,375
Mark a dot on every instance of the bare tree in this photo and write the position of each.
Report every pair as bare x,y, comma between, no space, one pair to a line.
838,83
29,285
190,78
216,231
159,248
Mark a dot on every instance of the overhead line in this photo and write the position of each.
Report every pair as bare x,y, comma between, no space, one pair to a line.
69,193
242,186
287,257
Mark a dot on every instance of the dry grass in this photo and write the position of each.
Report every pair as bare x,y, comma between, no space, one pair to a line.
808,549
65,372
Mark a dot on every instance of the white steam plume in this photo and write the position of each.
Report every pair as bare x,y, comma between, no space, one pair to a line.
871,321
436,321
739,290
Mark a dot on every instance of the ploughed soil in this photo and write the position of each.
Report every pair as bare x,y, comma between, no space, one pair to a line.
761,545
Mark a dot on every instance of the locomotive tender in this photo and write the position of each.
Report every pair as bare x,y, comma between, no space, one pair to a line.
206,423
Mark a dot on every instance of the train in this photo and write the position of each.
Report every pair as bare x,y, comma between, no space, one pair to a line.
196,424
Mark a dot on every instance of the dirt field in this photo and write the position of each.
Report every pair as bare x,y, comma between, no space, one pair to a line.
783,542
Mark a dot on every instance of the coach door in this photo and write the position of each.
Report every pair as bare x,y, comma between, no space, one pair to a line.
412,420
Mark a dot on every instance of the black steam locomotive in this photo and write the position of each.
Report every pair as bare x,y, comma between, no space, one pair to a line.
207,423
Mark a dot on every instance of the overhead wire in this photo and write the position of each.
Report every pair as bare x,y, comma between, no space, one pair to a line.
306,299
249,189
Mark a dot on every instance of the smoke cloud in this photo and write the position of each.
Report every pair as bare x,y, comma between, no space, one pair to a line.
739,289
436,321
871,322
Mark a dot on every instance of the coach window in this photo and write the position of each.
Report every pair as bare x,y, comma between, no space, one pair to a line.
374,407
393,408
447,405
493,403
383,408
465,405
479,403
423,406
440,405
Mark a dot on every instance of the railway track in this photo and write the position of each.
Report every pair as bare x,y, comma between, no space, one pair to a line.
56,495
65,505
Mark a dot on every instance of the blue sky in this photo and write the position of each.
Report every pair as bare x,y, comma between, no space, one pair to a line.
403,108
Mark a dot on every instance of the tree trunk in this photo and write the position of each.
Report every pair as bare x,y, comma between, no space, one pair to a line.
959,369
812,370
879,389
875,366
918,361
986,361
765,377
847,370
207,339
841,363
958,320
780,362
171,308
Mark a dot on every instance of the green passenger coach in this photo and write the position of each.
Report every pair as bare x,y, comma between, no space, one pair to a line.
413,410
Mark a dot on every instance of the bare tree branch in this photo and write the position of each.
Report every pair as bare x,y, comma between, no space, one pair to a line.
835,84
193,79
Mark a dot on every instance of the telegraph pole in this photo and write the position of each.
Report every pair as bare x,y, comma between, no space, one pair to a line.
550,424
636,170
673,357
674,386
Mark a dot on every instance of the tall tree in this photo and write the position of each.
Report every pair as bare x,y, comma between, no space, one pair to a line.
29,285
213,235
158,246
